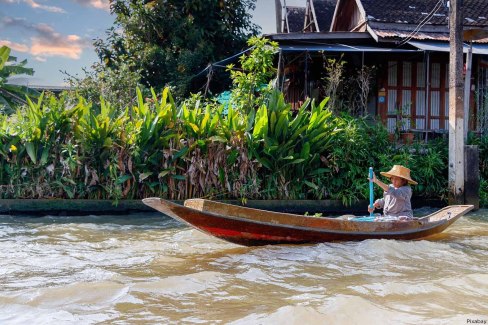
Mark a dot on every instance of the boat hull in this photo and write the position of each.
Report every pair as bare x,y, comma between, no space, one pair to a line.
252,227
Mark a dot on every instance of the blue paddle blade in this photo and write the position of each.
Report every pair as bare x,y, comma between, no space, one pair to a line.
364,219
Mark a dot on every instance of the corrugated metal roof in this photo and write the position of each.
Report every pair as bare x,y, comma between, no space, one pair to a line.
394,34
386,33
444,47
339,48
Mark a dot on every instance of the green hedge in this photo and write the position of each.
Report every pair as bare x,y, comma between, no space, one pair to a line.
66,148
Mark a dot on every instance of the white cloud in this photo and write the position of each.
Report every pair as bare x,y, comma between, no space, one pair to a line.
15,46
47,42
99,4
37,5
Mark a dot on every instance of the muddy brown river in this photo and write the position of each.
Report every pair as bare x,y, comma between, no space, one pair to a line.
149,269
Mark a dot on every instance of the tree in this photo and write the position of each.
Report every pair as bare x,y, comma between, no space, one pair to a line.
12,94
170,41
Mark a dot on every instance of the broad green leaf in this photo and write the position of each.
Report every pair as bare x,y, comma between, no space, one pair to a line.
140,102
205,121
181,153
261,125
312,185
122,179
163,173
4,54
31,151
194,127
297,161
217,138
319,171
107,143
44,156
143,176
305,153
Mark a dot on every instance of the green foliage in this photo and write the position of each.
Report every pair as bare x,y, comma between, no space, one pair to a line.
170,41
154,145
70,149
482,143
116,86
251,82
12,95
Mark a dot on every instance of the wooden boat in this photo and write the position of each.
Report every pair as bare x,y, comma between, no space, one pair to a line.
253,227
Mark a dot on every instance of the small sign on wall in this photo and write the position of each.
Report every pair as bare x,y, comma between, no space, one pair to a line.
382,96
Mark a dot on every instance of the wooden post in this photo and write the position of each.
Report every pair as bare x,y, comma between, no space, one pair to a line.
472,176
456,104
279,16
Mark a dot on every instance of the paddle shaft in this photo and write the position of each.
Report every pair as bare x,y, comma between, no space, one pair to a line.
371,193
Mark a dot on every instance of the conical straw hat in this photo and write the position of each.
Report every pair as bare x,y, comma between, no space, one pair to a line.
400,171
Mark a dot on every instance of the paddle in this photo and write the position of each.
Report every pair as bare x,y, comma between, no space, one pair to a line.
371,192
371,216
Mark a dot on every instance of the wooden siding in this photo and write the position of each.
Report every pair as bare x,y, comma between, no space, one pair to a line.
406,104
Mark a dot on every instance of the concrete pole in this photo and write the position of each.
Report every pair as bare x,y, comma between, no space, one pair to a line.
279,16
456,104
467,89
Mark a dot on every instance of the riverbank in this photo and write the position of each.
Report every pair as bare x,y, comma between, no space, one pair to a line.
42,207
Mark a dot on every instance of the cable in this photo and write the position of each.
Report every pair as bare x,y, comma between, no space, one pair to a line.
423,22
223,61
436,8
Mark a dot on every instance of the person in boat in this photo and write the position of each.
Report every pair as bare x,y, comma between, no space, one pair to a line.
395,203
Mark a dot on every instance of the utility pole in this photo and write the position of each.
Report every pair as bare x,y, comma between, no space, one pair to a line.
279,16
456,104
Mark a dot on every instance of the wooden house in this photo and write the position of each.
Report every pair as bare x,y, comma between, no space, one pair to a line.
407,43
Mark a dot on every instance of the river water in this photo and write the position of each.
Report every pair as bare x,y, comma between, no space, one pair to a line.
149,269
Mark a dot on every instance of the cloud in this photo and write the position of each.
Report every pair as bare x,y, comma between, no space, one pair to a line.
99,4
46,42
15,46
40,59
37,5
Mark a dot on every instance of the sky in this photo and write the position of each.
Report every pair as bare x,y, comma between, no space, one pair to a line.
56,36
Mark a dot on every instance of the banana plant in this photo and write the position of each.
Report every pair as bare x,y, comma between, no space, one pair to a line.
12,95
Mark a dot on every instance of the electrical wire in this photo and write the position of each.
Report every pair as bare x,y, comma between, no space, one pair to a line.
436,8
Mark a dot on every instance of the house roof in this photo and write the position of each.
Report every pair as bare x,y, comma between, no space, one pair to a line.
413,19
415,11
324,10
295,17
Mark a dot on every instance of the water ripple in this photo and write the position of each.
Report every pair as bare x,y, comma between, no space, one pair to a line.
150,269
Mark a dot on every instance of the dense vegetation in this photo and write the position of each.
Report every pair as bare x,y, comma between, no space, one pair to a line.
168,43
66,149
255,147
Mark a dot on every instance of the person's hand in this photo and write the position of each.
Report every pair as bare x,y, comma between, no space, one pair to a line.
372,179
370,209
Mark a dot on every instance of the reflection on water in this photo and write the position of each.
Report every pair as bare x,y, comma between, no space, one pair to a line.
149,269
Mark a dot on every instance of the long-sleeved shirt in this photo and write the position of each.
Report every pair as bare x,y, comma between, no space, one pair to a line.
396,201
